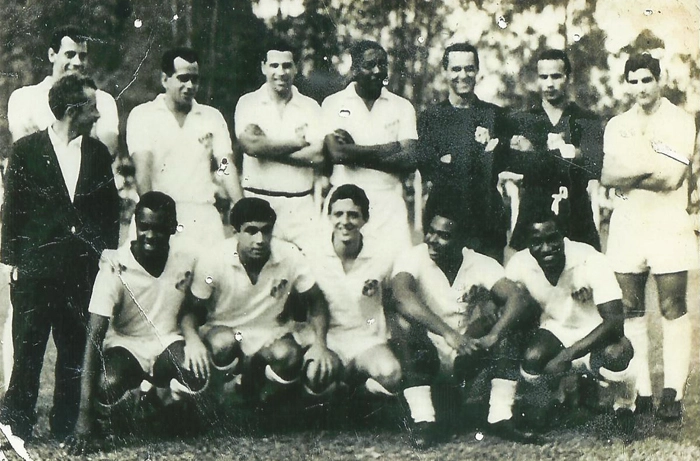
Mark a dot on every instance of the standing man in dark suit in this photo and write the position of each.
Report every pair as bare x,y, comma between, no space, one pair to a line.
61,210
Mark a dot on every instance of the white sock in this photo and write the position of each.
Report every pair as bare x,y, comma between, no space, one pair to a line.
420,402
623,385
501,400
636,331
374,387
676,342
275,378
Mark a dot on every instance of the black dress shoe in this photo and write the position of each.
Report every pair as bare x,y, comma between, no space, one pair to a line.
670,409
506,430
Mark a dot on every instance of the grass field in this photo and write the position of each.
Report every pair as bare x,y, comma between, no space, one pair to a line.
237,436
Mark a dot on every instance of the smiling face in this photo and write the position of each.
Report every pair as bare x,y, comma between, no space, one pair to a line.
644,87
153,232
279,70
547,246
371,72
552,80
347,221
442,239
181,87
254,241
461,73
71,58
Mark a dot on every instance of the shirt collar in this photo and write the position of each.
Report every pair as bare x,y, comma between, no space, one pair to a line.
368,248
160,103
234,259
351,93
58,143
264,95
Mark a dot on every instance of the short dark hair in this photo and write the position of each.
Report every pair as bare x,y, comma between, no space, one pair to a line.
158,202
167,63
457,47
643,61
280,44
357,51
75,33
446,203
555,55
251,209
538,210
354,193
69,91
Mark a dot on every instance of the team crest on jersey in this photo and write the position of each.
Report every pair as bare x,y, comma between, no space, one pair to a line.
370,288
185,282
280,289
207,141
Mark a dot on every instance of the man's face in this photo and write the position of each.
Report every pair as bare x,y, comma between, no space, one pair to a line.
441,238
85,115
461,72
71,58
371,72
279,70
552,80
547,246
254,240
347,220
152,232
181,87
644,87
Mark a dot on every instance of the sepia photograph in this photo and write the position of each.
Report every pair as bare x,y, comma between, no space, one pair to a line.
350,230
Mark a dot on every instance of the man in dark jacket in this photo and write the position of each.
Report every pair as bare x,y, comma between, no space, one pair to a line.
61,210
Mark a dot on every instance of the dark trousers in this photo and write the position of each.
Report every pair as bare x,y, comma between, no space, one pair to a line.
41,307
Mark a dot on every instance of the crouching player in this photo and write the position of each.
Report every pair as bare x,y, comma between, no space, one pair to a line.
133,333
440,286
582,319
239,293
353,273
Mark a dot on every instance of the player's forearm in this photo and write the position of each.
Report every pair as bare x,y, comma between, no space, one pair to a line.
394,157
519,306
604,334
231,182
143,166
311,155
411,308
318,319
260,146
91,363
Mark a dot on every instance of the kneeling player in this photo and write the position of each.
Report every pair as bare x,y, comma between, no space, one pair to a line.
446,288
353,273
240,290
134,333
582,319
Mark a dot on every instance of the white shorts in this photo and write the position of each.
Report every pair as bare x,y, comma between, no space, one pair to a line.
350,344
568,336
660,241
388,218
297,217
252,339
145,350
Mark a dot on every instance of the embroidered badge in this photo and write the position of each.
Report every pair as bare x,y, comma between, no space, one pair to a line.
370,288
185,282
279,289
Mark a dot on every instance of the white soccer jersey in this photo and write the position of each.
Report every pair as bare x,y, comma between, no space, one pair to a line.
143,309
585,267
251,309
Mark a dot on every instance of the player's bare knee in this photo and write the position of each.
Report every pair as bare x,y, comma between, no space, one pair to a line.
534,360
634,308
111,387
387,373
673,306
284,356
617,356
223,345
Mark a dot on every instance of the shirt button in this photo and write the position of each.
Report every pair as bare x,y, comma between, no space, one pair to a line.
72,229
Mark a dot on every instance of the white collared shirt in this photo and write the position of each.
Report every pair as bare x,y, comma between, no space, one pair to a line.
69,159
28,111
391,119
584,267
448,300
182,155
301,116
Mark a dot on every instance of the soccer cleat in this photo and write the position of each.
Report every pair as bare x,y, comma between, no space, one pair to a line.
644,405
670,409
506,430
624,425
422,435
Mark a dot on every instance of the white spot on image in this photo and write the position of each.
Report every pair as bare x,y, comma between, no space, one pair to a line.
209,280
176,17
344,113
386,81
479,436
370,321
421,40
138,23
238,336
502,23
648,12
577,37
180,228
